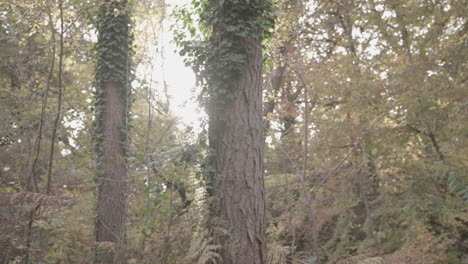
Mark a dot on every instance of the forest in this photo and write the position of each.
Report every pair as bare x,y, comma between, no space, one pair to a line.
233,131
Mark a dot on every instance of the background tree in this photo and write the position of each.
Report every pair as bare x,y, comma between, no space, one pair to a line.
369,66
31,44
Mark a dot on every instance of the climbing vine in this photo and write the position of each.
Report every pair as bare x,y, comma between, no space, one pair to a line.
211,38
113,52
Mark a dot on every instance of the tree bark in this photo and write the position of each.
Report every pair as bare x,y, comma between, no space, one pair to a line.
237,141
112,108
111,210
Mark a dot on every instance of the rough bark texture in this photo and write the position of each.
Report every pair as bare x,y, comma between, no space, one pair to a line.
237,139
111,211
113,74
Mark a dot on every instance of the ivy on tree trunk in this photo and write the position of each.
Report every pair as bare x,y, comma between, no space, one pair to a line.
112,107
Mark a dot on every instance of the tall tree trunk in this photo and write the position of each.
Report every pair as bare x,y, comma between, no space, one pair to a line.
236,137
111,209
112,90
59,103
239,166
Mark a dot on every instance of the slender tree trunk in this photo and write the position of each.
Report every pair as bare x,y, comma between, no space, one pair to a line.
277,80
112,91
310,201
237,141
35,153
59,104
38,141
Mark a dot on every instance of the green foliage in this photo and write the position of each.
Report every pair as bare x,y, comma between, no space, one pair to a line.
387,115
114,46
384,131
113,51
456,187
215,52
202,250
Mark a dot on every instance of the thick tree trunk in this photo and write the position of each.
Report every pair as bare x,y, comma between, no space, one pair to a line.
112,96
111,210
237,141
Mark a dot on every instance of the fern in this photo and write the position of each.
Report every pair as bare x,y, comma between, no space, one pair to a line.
362,260
202,251
277,254
456,187
302,257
